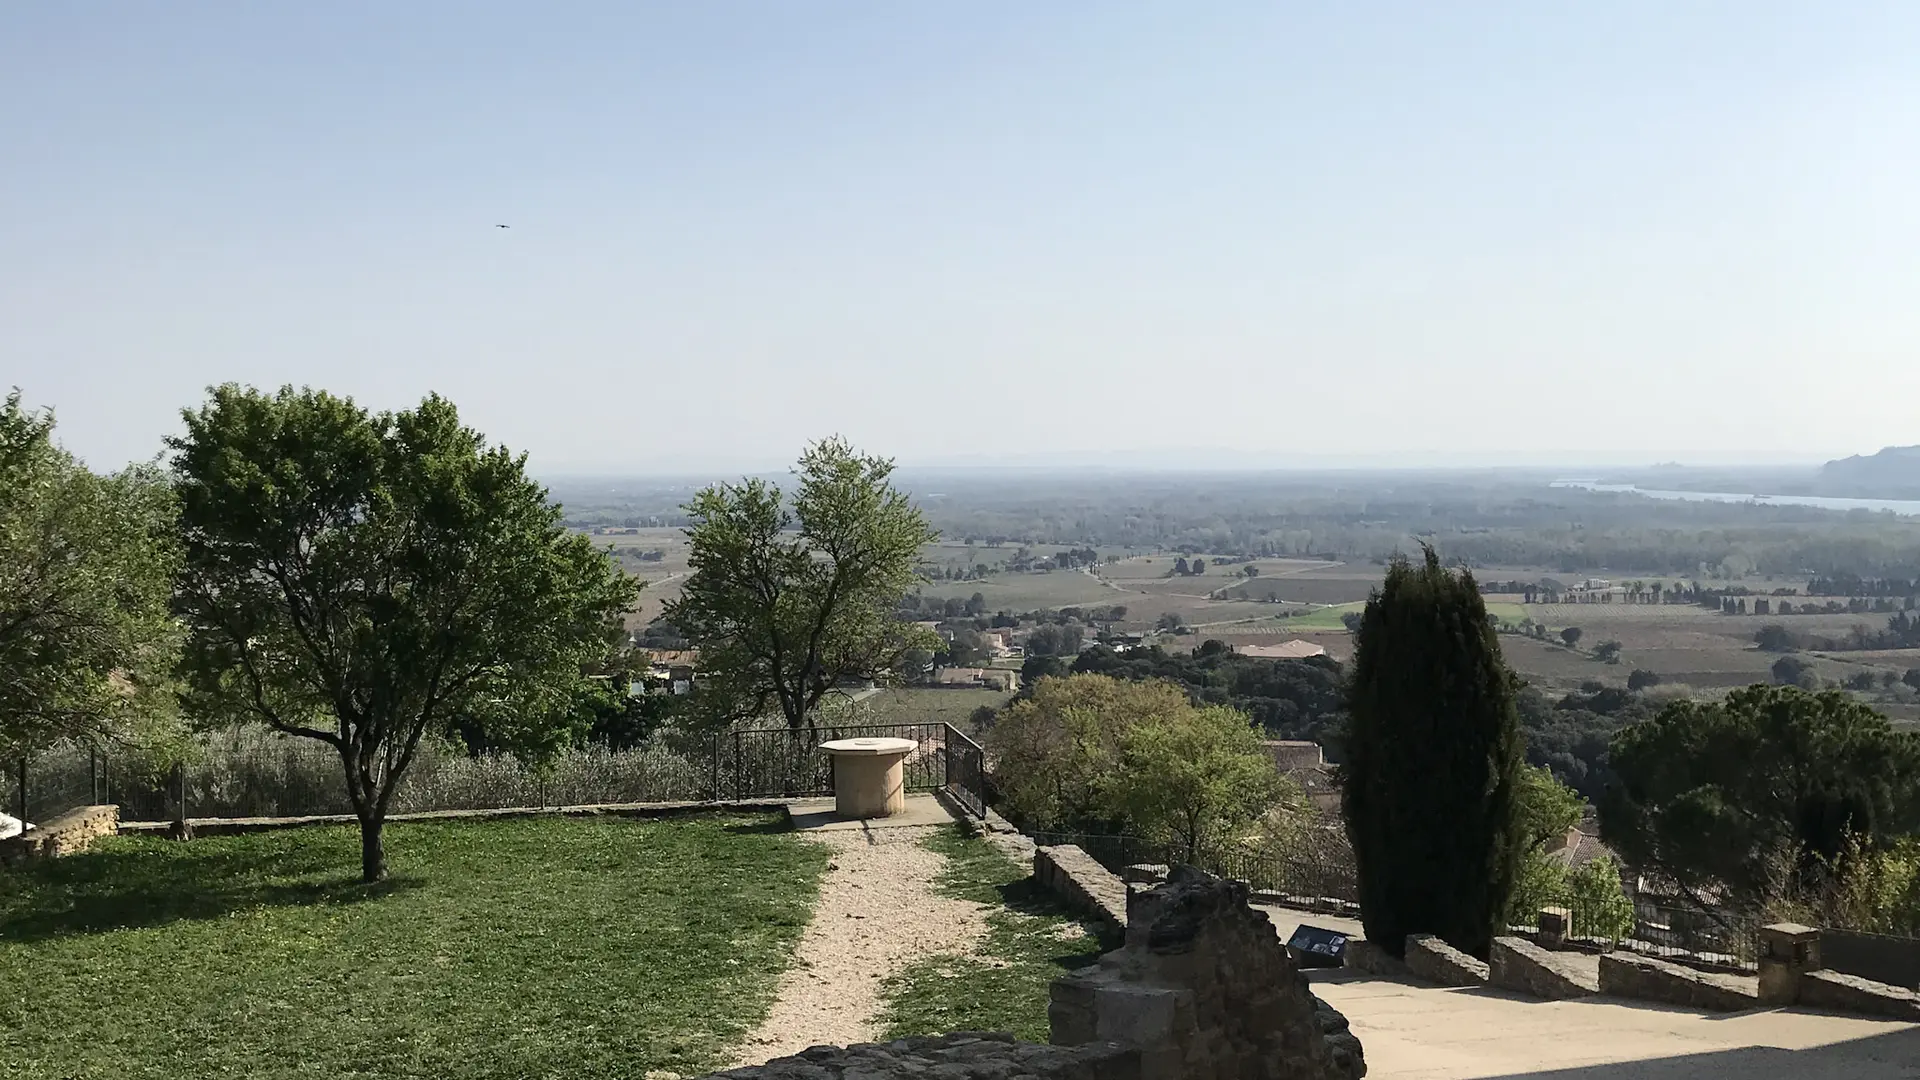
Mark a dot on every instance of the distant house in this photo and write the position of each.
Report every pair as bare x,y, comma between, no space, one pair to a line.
671,670
1296,649
1000,643
1303,763
970,678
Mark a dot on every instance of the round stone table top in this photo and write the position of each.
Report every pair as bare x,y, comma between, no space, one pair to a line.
874,747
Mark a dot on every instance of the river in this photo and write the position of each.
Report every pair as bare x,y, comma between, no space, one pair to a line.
1906,507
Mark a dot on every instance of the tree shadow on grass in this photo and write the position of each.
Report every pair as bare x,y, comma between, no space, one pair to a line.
1028,897
97,892
763,827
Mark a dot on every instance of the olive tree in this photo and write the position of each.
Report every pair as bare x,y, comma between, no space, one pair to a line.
370,580
87,644
786,602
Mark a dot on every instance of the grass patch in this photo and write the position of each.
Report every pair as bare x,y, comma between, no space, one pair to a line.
553,948
1031,940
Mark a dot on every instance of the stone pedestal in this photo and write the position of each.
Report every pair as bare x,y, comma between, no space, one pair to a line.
1787,951
1554,926
869,776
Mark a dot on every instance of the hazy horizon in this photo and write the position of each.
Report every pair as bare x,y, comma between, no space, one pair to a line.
1379,235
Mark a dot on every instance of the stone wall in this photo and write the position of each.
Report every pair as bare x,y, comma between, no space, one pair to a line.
71,832
1648,979
1891,960
958,1056
1083,883
1518,964
1850,993
1204,988
1436,961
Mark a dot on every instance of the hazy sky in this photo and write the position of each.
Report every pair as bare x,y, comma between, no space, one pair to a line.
1420,232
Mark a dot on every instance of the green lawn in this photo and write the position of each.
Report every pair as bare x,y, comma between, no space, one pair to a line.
1031,940
553,948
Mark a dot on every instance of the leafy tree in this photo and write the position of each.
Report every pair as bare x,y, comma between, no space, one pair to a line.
781,617
1251,571
1747,797
1351,620
1640,679
1195,777
1052,753
1607,652
1197,566
976,604
1036,667
1597,901
1912,677
87,644
915,663
1793,671
1545,809
368,580
1775,638
1433,769
1571,635
1180,566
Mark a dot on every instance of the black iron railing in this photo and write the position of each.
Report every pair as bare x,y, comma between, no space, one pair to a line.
966,772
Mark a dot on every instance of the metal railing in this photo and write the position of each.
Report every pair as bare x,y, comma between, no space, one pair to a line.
259,774
1714,940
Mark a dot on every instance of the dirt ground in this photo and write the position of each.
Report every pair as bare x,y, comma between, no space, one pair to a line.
877,912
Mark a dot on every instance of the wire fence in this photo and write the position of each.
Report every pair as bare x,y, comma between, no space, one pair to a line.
1710,939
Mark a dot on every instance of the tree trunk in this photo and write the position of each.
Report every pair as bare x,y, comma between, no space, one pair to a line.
373,854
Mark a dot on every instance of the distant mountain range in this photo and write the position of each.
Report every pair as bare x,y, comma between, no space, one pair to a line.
1893,473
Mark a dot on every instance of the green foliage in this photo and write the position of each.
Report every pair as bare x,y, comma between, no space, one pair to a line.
1598,902
1545,809
1290,699
1640,679
1433,762
87,644
1196,778
781,617
367,580
1607,652
1793,671
1096,754
1031,940
1051,753
1571,635
496,949
1759,795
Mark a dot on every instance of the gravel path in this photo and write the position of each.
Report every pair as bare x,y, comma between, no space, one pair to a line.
877,912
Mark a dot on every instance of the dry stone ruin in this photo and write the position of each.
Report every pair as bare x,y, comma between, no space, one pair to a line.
1203,989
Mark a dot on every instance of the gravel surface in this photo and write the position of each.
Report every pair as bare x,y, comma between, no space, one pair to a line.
877,912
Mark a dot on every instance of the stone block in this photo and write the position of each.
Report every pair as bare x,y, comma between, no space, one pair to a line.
1083,883
67,834
1787,952
1554,925
1648,979
1367,956
1850,993
1436,961
1518,964
1145,873
1204,990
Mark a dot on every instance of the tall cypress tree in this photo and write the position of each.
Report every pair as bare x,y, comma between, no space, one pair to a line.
1433,762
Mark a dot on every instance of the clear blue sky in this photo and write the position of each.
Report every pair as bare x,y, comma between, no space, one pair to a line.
1410,232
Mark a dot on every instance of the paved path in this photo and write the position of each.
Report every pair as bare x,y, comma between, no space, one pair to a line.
877,913
1422,1033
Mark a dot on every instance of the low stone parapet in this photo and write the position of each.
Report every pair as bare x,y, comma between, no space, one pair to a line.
961,1054
1519,964
1367,956
1436,961
1647,979
1083,883
67,834
1850,993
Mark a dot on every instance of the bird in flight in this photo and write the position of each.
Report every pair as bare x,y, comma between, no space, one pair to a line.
503,226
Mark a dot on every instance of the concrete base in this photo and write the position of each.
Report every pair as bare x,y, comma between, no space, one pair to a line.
821,815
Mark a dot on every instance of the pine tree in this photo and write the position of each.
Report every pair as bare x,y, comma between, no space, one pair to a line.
1433,762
